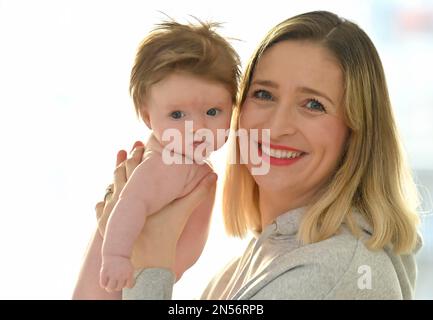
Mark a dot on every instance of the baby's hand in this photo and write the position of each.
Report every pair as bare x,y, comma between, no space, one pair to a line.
116,273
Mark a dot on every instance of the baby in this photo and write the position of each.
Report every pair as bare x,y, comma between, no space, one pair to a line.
184,85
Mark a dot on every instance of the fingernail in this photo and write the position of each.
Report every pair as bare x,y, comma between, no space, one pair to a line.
121,156
136,145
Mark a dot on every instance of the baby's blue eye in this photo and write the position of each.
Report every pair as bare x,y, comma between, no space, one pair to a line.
213,112
177,114
262,95
315,105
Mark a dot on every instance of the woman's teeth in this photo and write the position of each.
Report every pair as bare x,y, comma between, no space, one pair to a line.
281,154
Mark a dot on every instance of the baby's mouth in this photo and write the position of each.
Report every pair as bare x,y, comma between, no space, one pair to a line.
197,143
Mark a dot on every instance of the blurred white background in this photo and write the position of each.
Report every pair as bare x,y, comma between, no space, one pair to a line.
65,112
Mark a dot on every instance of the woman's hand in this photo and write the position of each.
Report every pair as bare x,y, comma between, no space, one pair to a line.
156,244
159,238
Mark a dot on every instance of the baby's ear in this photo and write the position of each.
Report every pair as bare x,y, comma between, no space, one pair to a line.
145,116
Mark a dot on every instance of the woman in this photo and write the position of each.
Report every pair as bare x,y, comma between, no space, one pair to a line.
334,218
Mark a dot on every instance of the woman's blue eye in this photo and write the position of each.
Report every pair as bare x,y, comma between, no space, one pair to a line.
177,114
315,105
213,112
262,95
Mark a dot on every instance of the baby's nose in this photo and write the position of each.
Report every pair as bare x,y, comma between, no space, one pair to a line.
198,124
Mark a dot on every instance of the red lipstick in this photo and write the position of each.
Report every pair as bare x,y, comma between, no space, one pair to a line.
280,161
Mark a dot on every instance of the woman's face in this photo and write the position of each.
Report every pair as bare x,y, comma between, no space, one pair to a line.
296,92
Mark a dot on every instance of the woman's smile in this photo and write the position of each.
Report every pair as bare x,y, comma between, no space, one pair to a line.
279,155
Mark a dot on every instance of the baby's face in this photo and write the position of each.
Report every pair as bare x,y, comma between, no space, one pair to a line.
194,109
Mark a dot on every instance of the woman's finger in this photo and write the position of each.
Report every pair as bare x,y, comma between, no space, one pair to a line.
119,178
134,160
136,145
99,208
119,172
121,156
109,192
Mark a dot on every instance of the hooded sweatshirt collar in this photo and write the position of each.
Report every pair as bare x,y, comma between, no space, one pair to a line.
285,224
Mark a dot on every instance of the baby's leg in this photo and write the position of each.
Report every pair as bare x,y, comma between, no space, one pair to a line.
87,287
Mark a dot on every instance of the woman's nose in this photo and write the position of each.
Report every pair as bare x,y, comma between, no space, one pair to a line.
283,121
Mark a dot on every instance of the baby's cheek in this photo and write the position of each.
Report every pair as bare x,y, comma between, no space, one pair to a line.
217,139
218,142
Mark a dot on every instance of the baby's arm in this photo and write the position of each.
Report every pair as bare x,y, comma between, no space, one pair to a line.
151,186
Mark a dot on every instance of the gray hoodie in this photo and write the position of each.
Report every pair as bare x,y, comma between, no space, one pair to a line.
277,266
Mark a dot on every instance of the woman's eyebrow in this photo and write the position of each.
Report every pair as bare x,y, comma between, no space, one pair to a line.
266,83
315,92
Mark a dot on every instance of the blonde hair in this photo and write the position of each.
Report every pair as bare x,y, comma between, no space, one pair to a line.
372,177
194,49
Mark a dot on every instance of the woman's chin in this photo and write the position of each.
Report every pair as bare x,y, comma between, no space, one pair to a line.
275,184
